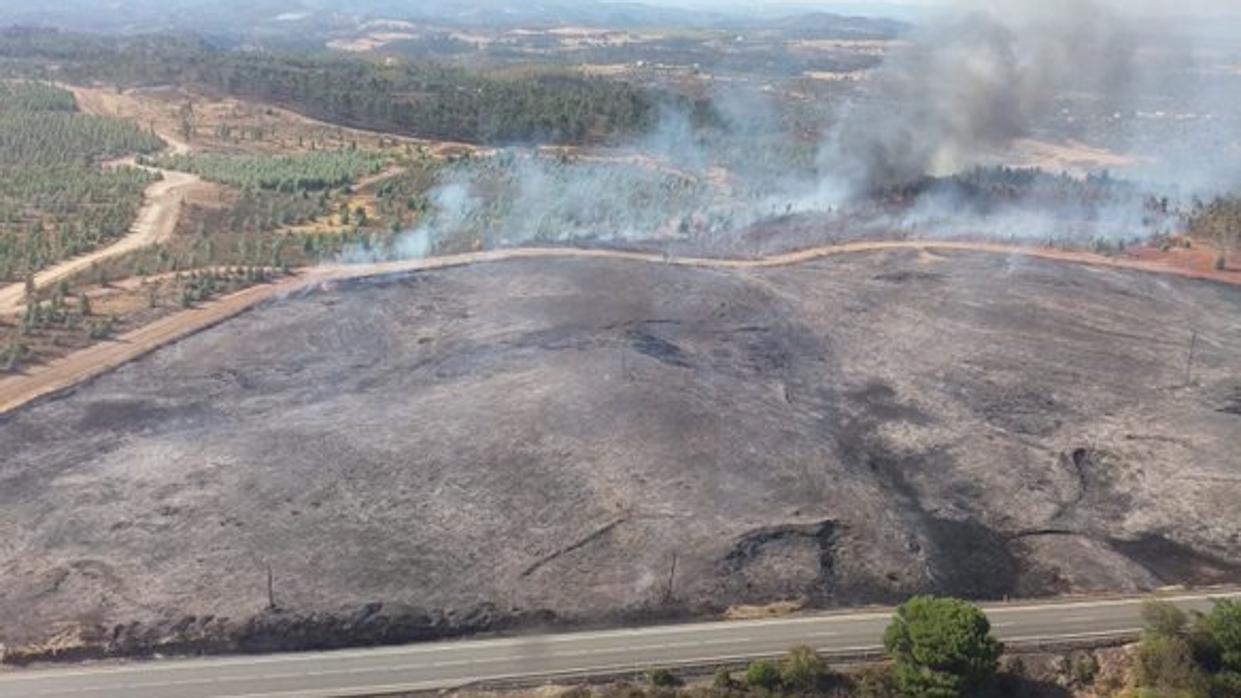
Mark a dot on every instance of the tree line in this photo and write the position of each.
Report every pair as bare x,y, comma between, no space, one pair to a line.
944,648
420,99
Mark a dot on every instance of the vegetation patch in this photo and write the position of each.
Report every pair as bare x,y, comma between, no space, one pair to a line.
55,200
290,173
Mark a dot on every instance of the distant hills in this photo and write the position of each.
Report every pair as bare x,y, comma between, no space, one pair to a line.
256,18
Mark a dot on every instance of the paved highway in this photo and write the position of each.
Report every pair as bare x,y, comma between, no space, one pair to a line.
448,664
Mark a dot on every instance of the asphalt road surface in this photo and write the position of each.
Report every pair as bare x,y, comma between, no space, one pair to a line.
448,664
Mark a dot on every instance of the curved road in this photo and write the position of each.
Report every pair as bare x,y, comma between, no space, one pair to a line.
39,381
155,223
535,658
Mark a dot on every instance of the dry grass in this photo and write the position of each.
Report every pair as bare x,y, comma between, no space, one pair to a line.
771,610
226,124
1070,156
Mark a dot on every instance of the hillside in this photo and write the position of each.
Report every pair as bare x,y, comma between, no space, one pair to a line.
538,442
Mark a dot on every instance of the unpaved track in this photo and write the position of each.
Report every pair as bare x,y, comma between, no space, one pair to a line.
155,223
104,102
59,375
101,358
367,182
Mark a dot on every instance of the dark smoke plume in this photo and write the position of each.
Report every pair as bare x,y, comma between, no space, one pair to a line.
971,83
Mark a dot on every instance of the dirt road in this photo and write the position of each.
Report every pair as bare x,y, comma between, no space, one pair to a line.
368,182
104,102
155,223
101,358
40,381
156,220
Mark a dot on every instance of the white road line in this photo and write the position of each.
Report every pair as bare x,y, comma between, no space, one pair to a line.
1075,636
361,690
534,643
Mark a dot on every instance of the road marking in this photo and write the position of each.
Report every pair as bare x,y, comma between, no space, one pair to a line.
1076,636
535,643
574,670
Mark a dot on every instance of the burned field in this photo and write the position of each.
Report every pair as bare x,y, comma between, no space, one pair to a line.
586,442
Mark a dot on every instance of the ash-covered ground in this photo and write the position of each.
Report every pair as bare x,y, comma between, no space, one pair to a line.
590,442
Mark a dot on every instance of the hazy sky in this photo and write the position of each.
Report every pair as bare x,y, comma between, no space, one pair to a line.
1162,7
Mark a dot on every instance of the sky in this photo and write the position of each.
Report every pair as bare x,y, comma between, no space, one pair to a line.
914,7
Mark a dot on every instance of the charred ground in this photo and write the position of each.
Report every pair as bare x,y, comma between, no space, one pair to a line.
582,442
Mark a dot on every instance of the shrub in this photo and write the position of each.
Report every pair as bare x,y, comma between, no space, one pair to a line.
103,329
723,679
762,674
877,682
1166,665
1202,640
1162,618
942,648
12,355
1085,669
663,678
802,669
1226,685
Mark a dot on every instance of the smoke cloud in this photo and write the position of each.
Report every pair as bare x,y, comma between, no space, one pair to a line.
970,84
958,92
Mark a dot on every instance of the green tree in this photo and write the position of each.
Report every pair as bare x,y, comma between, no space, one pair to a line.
1224,627
762,674
943,648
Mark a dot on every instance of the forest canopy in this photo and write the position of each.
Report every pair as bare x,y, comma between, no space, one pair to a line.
426,100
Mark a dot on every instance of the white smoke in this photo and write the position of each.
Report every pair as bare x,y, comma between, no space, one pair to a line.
971,82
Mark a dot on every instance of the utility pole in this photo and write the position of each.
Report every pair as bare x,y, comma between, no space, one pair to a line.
1189,362
672,574
271,592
